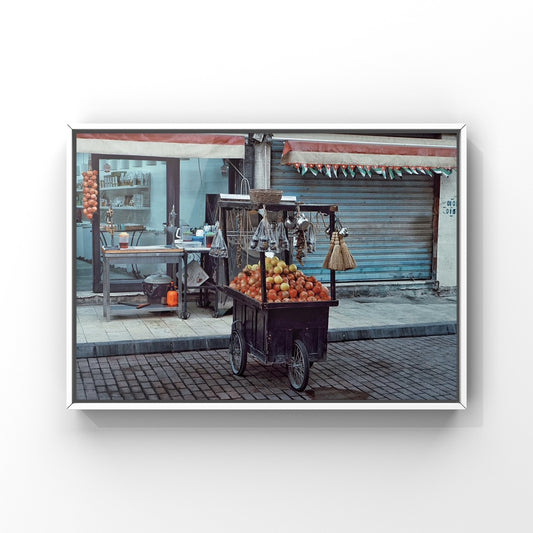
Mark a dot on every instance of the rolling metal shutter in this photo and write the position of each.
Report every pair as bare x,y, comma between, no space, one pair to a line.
390,222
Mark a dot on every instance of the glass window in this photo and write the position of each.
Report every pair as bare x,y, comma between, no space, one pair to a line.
199,177
135,191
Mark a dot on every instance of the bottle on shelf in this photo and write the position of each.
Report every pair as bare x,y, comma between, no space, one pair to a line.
172,296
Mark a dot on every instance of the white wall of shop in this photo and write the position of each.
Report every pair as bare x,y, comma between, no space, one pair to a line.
447,234
324,471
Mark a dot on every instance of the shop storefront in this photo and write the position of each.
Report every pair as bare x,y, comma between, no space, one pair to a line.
397,195
140,179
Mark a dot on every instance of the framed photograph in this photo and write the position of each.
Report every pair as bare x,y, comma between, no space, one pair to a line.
266,266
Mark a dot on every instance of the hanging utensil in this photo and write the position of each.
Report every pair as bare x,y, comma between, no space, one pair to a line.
290,223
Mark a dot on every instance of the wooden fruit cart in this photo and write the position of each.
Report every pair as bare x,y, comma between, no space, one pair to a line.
292,333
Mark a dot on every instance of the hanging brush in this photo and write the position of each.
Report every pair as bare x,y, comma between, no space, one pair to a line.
336,260
348,260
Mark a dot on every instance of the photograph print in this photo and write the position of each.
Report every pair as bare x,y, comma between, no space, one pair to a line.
267,267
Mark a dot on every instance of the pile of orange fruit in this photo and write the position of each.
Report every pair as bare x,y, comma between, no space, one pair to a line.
284,283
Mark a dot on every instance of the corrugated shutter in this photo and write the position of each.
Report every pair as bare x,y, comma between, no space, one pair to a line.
390,221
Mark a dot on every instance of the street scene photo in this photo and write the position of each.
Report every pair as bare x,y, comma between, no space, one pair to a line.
265,266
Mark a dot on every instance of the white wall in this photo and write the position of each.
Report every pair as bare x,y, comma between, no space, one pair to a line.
448,223
386,62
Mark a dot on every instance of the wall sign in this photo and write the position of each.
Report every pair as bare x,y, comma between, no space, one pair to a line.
450,207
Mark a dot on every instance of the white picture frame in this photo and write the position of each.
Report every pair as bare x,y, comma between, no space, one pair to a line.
460,401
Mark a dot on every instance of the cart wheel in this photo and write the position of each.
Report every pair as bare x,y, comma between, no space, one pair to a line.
237,353
298,366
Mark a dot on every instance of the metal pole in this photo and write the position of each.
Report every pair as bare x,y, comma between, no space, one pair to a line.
332,272
263,276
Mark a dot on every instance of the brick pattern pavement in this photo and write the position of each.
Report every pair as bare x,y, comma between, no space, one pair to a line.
360,312
400,369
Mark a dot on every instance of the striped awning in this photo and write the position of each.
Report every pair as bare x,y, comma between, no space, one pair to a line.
364,155
182,145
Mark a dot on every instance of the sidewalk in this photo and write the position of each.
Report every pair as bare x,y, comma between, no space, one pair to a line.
354,319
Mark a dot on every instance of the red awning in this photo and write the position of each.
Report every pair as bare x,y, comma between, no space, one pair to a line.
183,145
373,152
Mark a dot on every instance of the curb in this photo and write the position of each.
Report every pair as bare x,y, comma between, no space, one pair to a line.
217,342
387,332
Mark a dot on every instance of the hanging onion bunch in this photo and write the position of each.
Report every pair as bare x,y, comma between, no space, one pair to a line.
90,193
301,245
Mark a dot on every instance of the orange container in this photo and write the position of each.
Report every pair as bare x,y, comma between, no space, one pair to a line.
172,296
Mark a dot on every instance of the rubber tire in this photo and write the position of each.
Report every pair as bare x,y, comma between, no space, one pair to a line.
238,354
298,366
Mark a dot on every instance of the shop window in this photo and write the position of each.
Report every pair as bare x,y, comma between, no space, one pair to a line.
133,197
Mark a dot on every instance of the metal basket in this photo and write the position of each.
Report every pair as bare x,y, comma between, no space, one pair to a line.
265,196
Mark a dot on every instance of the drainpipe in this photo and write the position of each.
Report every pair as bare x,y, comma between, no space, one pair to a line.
262,151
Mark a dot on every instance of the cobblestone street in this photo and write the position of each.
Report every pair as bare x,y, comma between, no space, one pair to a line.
396,369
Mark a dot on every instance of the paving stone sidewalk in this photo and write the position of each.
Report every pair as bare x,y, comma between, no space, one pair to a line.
407,369
353,319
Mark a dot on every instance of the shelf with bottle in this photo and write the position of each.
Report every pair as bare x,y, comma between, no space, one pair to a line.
119,179
122,195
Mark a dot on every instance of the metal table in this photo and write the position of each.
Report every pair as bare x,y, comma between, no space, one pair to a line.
149,255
